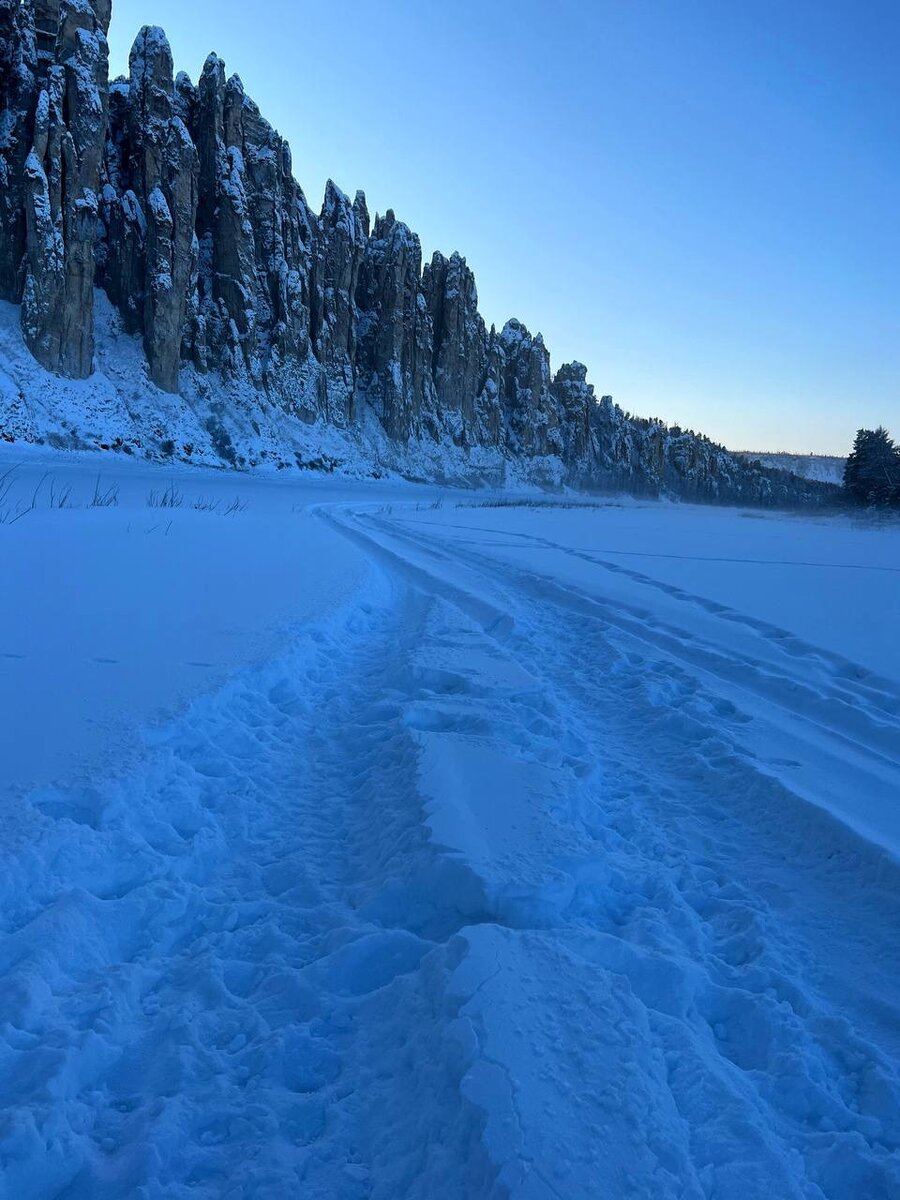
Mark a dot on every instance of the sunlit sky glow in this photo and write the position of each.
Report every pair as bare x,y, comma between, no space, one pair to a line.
700,200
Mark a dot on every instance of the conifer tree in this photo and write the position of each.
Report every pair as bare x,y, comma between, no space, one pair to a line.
872,473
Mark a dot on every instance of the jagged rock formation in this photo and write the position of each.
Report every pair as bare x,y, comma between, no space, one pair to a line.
17,102
577,403
179,201
459,350
343,238
66,115
154,210
395,333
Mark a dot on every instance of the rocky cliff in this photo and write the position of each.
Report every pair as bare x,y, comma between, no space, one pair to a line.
176,203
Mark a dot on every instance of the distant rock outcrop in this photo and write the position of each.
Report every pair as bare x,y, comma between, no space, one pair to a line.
179,201
820,468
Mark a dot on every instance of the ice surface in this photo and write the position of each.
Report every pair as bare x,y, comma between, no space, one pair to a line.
365,843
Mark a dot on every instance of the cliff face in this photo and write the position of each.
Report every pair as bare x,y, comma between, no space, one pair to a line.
57,107
180,203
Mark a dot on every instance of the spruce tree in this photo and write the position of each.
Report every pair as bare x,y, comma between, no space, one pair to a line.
872,473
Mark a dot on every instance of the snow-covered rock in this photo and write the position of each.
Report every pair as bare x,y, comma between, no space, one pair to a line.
62,178
822,468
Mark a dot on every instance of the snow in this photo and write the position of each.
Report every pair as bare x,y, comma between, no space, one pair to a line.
821,467
118,408
768,610
374,842
159,206
142,608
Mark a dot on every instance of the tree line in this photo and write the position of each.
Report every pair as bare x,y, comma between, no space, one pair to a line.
872,473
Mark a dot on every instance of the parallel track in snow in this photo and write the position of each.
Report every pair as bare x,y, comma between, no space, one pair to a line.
479,892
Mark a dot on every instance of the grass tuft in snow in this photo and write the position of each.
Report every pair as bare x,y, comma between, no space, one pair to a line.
60,496
170,498
105,498
500,502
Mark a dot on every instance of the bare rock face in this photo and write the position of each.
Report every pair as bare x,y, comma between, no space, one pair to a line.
121,254
257,247
149,206
532,417
491,427
227,282
210,245
459,355
343,234
395,332
284,250
18,60
576,400
62,176
162,169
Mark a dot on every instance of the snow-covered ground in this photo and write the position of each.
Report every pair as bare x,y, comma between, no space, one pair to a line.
369,841
121,413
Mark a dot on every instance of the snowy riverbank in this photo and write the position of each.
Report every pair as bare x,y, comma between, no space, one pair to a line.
370,842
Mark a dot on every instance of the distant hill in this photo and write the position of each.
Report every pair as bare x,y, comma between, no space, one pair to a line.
822,468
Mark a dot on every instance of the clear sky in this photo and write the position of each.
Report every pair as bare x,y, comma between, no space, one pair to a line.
700,199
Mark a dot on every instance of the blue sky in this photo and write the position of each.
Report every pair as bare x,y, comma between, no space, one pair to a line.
700,199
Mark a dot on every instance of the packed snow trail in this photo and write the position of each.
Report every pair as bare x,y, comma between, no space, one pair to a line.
689,894
197,1000
479,891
